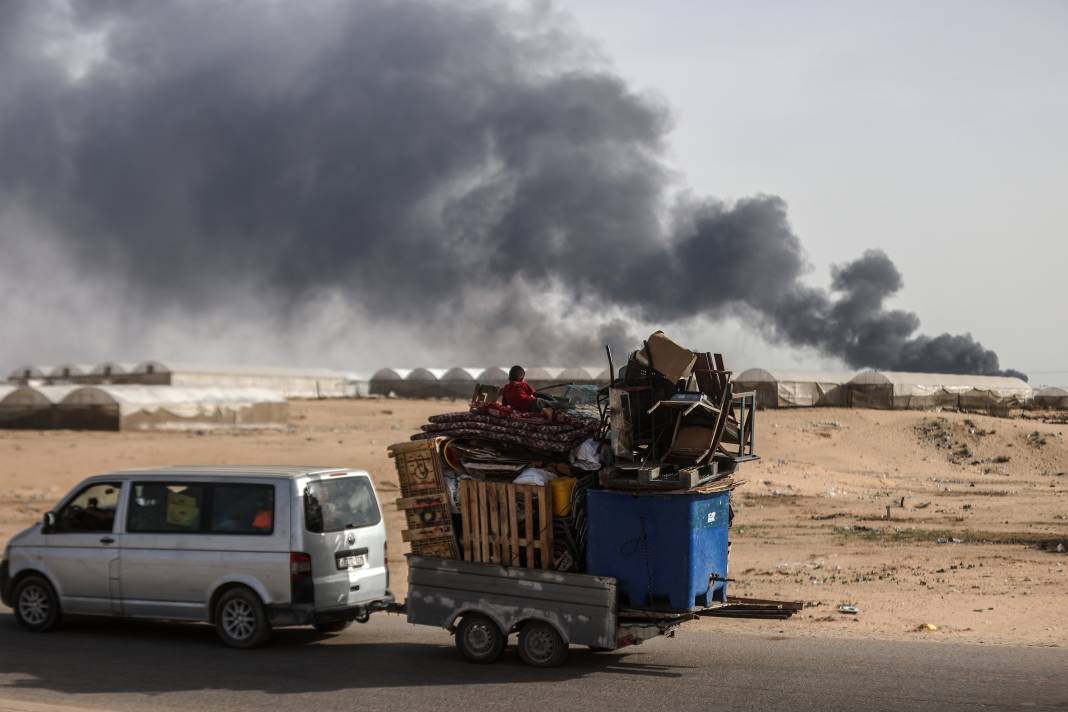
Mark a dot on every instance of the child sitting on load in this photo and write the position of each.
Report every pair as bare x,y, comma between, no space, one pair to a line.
519,395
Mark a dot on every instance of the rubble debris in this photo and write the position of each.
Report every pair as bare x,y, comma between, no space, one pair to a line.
1035,439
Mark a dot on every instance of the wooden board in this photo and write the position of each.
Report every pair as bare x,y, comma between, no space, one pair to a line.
425,500
506,524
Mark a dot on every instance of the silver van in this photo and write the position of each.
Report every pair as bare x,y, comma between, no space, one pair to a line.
244,548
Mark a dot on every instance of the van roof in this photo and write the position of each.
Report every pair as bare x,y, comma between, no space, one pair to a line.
287,471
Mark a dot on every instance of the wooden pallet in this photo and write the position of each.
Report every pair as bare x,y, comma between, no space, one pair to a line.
507,524
425,500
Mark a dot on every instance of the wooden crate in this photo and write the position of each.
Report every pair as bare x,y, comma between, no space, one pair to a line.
425,500
507,524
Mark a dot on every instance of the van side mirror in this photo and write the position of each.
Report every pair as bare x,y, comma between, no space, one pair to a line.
48,523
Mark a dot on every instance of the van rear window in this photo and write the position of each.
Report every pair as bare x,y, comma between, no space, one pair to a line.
334,504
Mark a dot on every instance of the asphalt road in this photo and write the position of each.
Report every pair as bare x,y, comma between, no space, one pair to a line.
388,664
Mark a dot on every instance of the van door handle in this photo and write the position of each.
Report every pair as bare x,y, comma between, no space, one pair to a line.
107,540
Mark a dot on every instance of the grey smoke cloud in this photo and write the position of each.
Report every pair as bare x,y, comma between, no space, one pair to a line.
465,169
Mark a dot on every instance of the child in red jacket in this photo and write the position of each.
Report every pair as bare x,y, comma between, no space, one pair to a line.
519,395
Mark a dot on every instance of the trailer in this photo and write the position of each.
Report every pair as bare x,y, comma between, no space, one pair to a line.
483,604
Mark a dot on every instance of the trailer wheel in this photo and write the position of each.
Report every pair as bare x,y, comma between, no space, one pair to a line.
541,646
479,638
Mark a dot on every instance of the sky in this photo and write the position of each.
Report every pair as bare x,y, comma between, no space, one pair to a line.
931,133
933,130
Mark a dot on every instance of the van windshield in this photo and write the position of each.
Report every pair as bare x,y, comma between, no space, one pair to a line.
334,504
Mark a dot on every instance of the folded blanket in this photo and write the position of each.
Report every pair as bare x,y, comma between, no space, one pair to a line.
501,424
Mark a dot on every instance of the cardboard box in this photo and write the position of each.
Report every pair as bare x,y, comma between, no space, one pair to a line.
674,362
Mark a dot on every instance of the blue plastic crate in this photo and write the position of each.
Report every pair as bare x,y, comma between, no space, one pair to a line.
668,551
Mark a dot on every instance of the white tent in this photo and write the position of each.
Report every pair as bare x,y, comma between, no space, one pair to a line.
897,390
422,383
70,373
29,372
32,407
787,388
135,407
112,372
1051,397
290,382
388,381
577,375
542,376
459,382
493,376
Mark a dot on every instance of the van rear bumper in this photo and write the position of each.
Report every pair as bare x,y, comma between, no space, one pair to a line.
307,614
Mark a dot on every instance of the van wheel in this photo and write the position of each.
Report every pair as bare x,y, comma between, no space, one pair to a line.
241,619
335,627
541,646
36,604
479,639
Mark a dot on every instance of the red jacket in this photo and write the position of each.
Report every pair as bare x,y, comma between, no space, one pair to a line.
518,395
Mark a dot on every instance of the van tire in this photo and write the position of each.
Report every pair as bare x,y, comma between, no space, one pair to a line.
541,646
479,639
35,604
241,619
330,628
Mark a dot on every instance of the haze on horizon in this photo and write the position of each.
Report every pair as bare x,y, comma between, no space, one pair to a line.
916,151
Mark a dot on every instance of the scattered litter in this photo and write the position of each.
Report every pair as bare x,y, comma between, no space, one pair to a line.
927,626
848,608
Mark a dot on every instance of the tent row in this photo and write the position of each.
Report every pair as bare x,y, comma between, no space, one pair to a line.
136,407
459,382
886,390
290,382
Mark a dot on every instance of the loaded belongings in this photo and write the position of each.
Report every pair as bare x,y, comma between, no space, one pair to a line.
491,484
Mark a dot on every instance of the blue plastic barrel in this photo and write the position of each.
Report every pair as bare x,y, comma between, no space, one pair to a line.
668,551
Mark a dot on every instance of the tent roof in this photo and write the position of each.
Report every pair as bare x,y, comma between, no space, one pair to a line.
781,375
35,371
425,374
956,380
461,374
240,369
575,373
1052,391
75,369
168,395
5,390
390,374
117,367
493,372
38,395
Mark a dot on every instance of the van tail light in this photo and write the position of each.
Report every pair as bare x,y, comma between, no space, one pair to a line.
300,565
385,554
301,585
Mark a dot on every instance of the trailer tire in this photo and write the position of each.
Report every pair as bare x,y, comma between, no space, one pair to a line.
479,638
541,646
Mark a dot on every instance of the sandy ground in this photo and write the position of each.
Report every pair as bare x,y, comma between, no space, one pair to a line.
972,551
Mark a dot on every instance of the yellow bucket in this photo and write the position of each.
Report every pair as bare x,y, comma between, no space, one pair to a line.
562,488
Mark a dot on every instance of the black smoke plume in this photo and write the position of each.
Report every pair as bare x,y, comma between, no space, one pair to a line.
472,171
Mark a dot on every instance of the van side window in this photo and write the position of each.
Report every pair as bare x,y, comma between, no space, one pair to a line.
242,509
92,510
157,508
